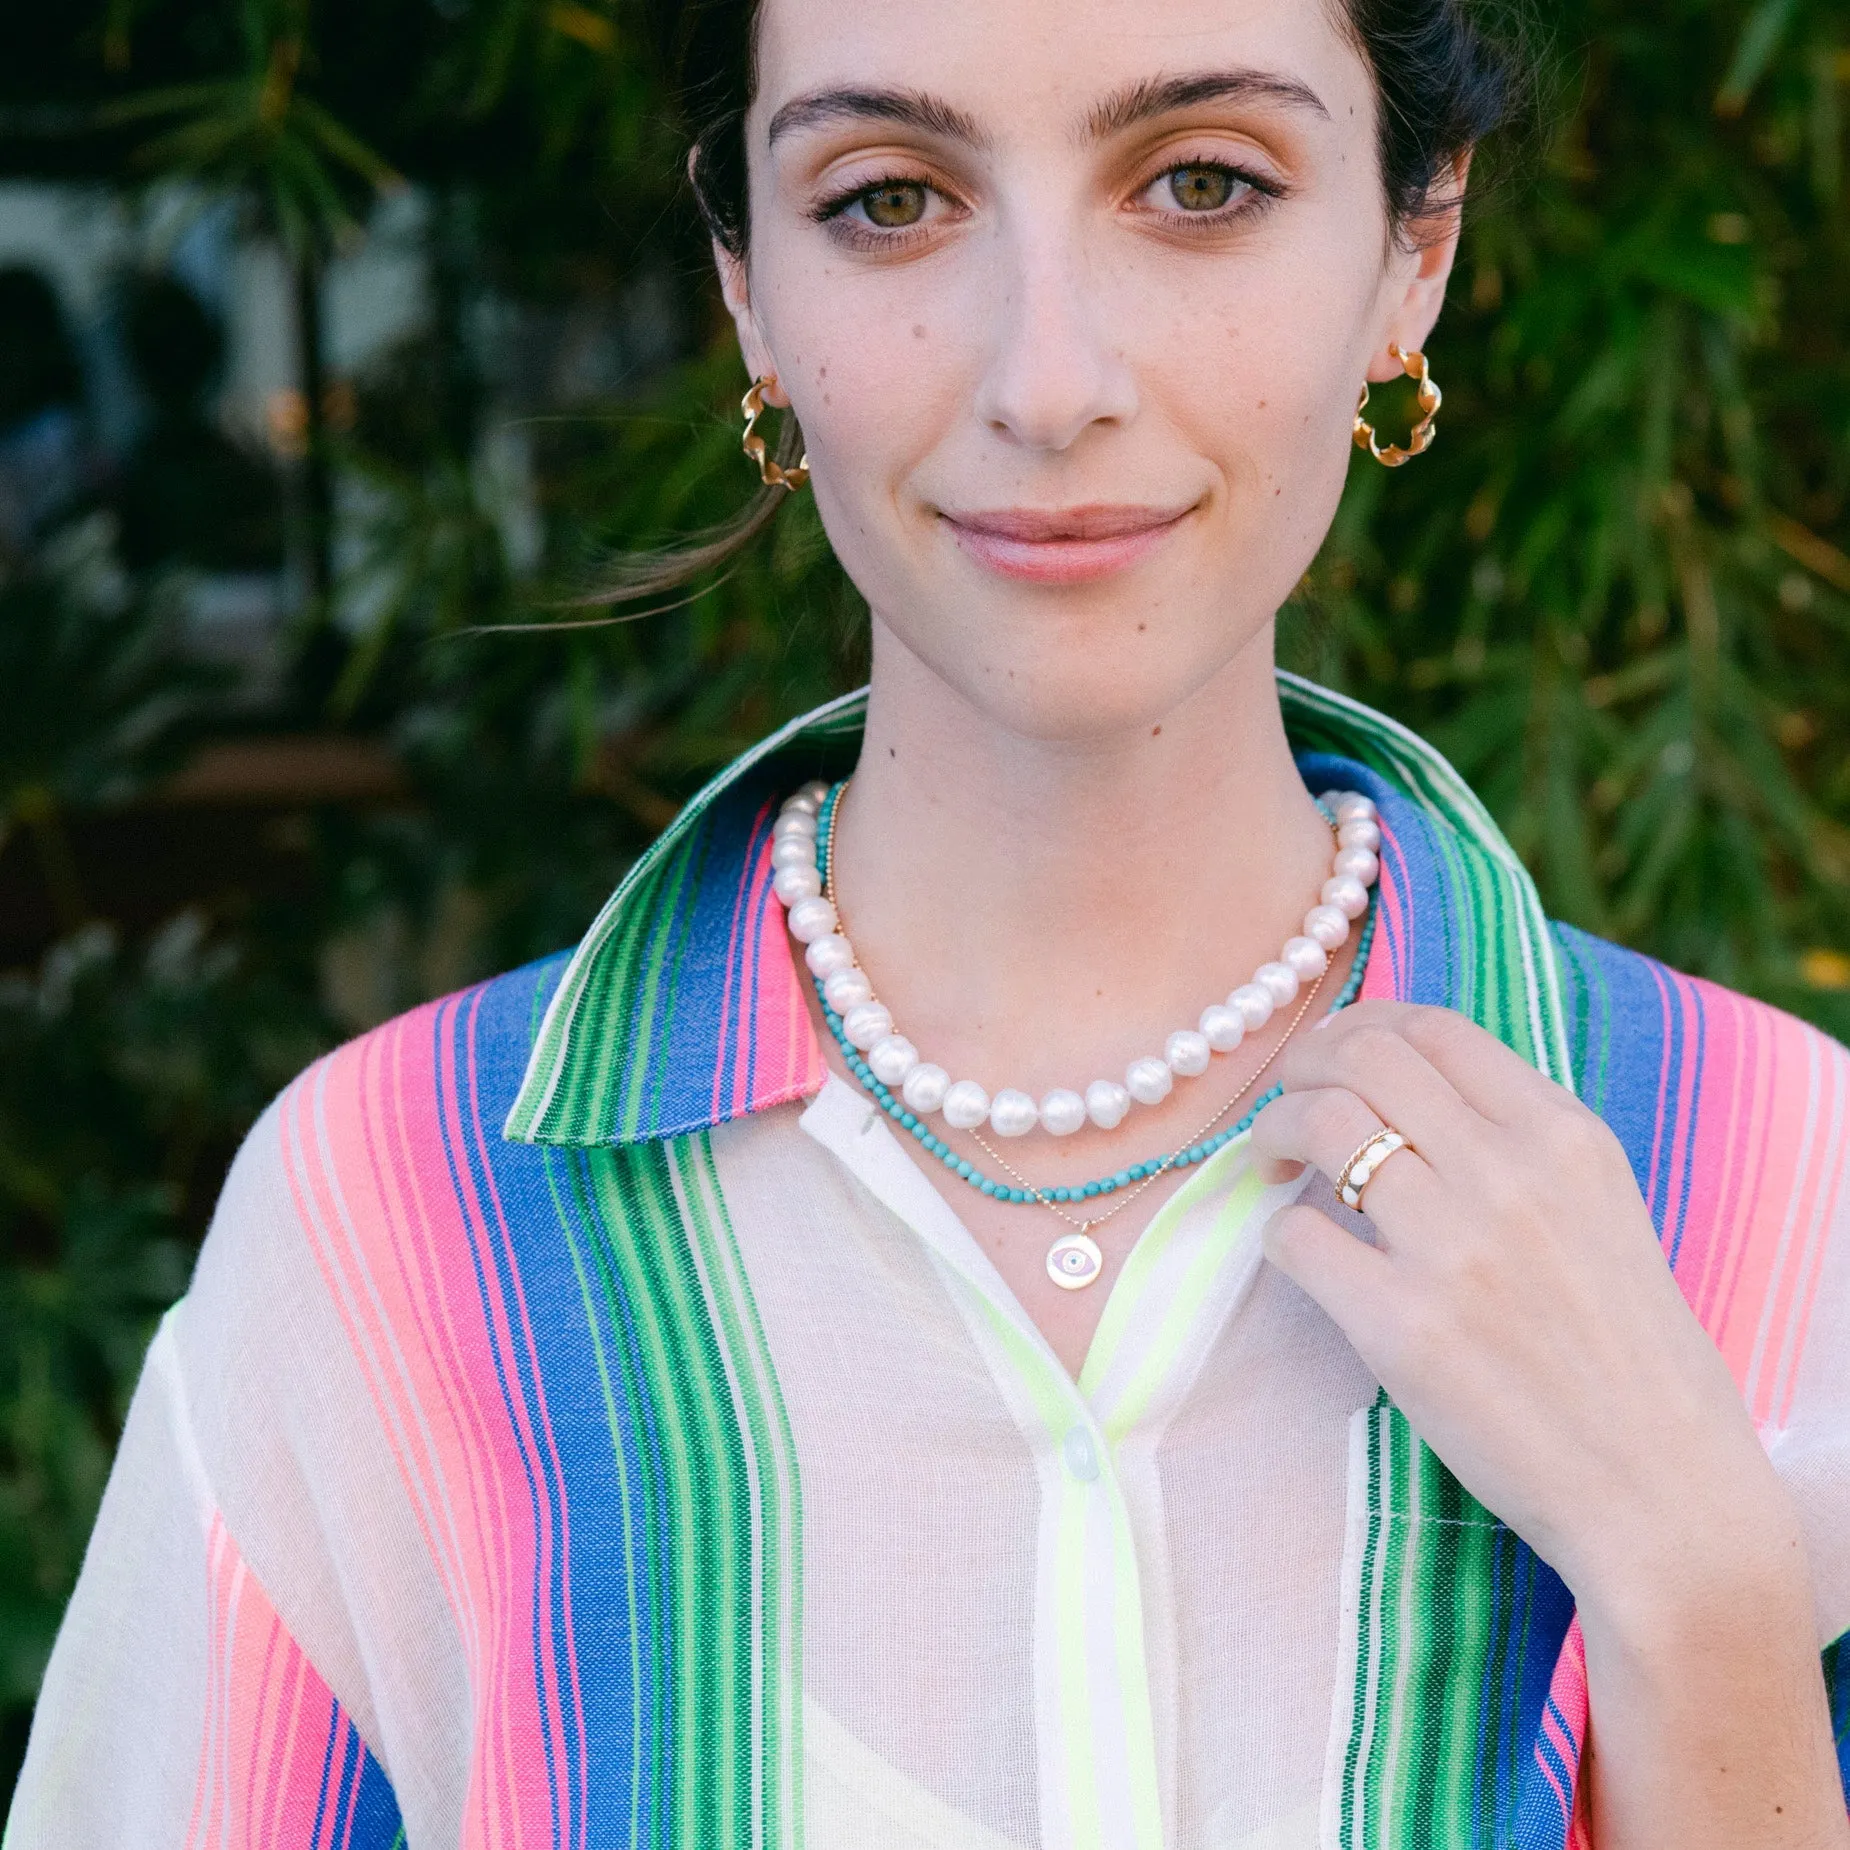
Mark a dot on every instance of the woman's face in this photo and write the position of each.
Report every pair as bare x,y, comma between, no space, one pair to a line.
1073,299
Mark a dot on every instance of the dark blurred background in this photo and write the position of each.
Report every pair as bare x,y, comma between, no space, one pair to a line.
334,333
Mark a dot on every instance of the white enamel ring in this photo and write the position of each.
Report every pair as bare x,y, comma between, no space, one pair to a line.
1359,1170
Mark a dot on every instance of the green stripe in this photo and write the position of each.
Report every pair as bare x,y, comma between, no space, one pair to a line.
718,1495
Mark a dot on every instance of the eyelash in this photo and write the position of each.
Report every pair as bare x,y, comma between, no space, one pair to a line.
1260,194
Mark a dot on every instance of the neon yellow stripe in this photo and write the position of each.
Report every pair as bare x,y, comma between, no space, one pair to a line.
1140,1265
1134,1674
1185,1306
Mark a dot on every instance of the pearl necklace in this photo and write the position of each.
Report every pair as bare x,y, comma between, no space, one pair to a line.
803,880
1075,1260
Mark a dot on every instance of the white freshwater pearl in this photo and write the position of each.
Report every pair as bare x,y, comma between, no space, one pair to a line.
892,1059
1063,1111
816,789
866,1023
810,919
1148,1080
1327,925
1187,1053
805,802
794,825
1306,957
828,954
1012,1113
793,851
1253,1004
1222,1027
1279,981
1359,835
1352,806
1330,798
966,1105
846,987
925,1088
1359,862
1106,1103
1347,894
793,883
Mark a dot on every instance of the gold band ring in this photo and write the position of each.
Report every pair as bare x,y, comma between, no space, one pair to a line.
1358,1171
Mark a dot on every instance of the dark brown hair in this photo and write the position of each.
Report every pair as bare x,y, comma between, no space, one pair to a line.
1444,82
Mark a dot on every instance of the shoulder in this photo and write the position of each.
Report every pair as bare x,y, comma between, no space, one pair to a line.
1735,1116
397,1129
1645,1038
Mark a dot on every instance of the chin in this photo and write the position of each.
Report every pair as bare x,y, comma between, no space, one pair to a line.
1080,689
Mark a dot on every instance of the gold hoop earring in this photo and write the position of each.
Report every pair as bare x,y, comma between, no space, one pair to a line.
772,474
1429,398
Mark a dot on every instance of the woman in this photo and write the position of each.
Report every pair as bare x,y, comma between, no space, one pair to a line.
651,1399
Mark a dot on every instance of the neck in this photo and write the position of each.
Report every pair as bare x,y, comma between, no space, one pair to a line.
1038,912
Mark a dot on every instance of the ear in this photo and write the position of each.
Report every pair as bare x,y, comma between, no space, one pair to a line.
1422,273
735,287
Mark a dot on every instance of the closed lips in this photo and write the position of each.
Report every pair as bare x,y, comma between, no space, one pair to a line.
1062,546
1033,526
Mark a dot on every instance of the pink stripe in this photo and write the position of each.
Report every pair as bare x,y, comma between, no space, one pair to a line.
1754,1148
1564,1725
1385,979
409,1246
269,1718
768,1052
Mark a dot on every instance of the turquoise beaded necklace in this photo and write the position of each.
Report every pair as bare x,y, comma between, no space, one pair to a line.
1074,1192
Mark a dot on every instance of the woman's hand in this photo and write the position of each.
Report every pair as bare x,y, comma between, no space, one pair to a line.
1519,1311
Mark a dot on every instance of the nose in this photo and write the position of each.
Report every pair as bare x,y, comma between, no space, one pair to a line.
1053,371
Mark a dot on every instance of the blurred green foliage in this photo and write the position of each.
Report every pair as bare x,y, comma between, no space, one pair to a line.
1616,592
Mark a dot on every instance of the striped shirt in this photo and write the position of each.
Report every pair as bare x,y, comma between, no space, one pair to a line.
588,1428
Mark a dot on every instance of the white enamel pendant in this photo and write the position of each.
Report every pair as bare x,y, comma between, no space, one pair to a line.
1074,1261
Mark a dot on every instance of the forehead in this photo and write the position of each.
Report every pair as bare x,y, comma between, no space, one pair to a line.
1011,64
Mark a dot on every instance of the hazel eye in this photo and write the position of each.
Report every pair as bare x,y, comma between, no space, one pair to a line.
1202,189
894,204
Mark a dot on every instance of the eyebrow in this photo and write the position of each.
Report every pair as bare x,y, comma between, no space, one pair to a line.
1161,96
1139,102
908,108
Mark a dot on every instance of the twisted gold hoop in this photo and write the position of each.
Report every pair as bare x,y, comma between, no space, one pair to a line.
1429,397
772,474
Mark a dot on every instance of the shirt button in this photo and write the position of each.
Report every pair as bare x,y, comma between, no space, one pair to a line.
1081,1455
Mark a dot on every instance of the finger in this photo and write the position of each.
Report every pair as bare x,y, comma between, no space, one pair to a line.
1346,1276
1326,1127
1490,1077
1371,1057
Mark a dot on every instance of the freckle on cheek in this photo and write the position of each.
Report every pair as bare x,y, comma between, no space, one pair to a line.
918,330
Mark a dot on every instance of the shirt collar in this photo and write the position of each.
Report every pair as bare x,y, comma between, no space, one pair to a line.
682,1007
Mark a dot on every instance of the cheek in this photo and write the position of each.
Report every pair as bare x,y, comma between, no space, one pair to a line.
870,373
1257,364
